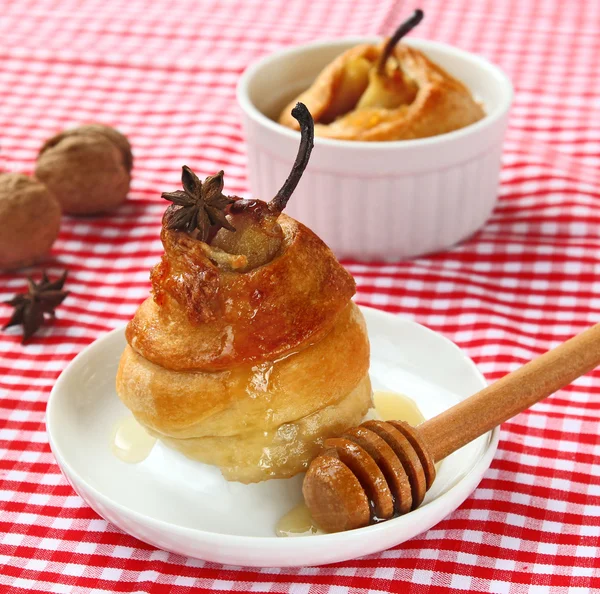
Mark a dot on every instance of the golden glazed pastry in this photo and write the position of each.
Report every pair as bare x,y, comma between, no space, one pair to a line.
386,92
249,352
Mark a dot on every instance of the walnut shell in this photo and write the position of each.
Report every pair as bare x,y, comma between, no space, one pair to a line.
87,168
29,220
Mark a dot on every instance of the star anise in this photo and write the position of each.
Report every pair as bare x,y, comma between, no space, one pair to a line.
199,206
42,298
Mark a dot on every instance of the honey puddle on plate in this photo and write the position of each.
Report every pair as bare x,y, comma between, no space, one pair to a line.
389,406
297,522
130,442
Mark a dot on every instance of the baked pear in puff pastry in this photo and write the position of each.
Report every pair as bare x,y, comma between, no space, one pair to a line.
249,352
386,92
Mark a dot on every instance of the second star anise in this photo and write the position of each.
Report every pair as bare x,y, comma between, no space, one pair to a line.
41,298
200,205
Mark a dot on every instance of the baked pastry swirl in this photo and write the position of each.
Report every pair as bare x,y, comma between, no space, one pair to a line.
386,92
249,351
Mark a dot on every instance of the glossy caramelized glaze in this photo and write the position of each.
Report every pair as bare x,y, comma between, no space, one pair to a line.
265,395
203,317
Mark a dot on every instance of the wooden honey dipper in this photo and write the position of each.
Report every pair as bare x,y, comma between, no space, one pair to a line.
383,469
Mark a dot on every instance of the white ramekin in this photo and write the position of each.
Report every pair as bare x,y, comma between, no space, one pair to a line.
378,200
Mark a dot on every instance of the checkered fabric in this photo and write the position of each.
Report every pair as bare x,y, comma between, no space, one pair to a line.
164,73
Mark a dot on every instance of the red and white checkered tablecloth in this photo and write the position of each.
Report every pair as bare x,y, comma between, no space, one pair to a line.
164,73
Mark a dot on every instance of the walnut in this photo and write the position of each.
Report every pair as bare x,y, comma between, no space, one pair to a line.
87,168
29,220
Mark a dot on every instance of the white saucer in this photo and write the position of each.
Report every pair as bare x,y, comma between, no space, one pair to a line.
188,508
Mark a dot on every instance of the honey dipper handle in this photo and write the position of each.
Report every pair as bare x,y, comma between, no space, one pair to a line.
512,394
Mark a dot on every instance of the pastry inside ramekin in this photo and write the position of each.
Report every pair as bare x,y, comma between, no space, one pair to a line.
386,92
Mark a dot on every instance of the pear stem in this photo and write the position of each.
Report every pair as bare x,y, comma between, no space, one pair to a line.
407,26
307,132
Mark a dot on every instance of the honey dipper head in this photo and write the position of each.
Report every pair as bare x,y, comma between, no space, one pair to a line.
372,473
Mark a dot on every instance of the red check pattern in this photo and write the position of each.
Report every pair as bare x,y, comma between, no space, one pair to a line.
164,73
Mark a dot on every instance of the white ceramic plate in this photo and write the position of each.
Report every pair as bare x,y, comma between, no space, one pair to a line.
188,508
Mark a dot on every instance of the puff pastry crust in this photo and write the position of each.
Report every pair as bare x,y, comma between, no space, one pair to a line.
247,370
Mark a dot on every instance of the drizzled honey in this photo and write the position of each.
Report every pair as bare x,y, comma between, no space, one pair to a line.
297,522
130,442
391,406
